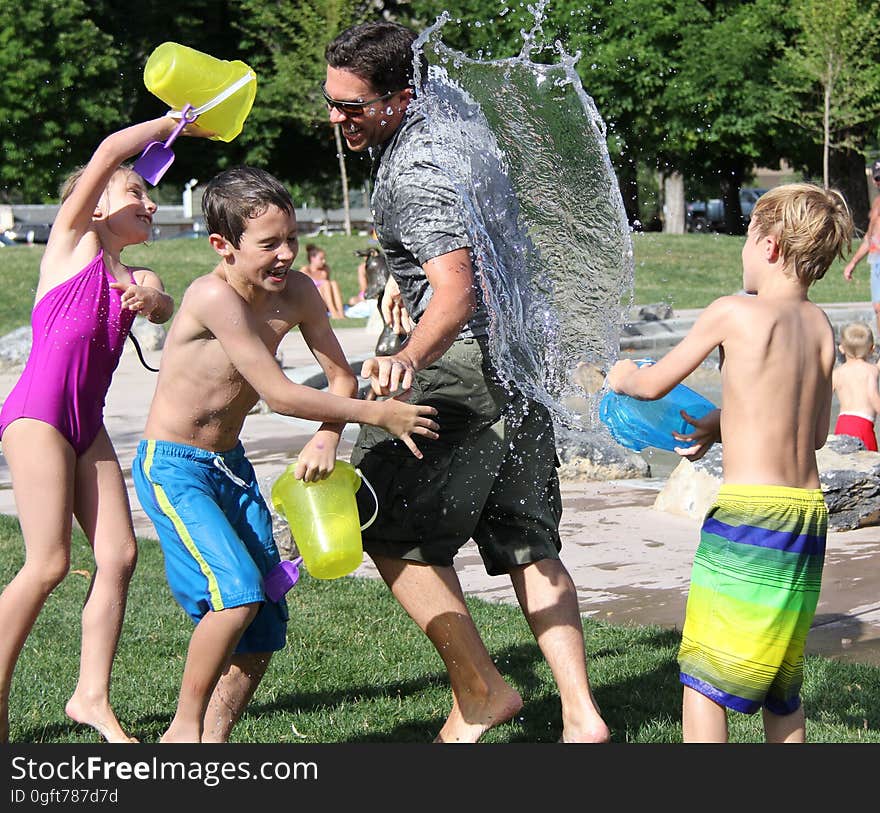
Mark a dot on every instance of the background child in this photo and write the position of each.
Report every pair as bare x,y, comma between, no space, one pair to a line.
319,272
190,471
856,384
757,572
60,457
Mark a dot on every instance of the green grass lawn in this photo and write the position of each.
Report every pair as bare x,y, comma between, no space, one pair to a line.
686,271
356,669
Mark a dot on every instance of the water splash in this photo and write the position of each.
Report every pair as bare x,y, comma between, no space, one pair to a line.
525,146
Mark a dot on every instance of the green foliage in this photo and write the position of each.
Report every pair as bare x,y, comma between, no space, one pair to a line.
829,75
288,128
58,96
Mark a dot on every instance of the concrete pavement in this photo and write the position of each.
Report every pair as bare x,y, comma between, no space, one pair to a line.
631,563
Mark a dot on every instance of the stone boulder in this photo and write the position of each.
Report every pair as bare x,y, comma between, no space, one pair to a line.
150,336
16,345
14,349
848,473
593,455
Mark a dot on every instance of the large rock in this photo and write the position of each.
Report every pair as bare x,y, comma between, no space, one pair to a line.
14,349
848,473
593,455
16,346
150,336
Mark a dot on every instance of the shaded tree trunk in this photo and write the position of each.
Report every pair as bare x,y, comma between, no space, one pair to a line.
673,203
731,181
847,175
346,201
629,191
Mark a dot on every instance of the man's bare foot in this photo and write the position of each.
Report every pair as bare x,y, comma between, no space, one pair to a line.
593,729
480,716
169,737
103,720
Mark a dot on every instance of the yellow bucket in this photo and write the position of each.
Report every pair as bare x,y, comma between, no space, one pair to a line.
221,92
323,518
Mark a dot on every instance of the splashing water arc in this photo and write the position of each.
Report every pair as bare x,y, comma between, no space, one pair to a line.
550,235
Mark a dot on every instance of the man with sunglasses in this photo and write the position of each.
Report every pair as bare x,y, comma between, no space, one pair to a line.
491,476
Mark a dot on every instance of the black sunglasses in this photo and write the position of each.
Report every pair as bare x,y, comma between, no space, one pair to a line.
353,108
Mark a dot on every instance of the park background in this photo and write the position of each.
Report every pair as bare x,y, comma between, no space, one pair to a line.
697,96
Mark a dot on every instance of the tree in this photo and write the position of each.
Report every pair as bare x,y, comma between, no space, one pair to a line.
830,74
290,129
717,121
59,96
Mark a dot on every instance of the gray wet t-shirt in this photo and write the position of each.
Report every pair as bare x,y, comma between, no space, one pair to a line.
418,215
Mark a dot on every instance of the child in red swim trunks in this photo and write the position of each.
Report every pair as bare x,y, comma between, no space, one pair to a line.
856,383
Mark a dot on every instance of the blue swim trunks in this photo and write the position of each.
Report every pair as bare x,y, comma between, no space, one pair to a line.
874,265
215,531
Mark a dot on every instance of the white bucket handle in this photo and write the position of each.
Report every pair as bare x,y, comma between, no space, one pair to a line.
221,97
372,519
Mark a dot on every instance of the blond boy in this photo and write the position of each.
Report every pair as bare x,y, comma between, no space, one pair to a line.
855,382
757,571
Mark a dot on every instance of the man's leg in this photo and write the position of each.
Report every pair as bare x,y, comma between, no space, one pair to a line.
434,600
702,719
233,692
548,599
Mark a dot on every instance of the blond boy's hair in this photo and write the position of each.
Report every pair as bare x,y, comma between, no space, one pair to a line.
813,226
857,340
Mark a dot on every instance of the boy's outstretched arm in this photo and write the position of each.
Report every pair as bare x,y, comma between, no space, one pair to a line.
219,308
653,381
317,458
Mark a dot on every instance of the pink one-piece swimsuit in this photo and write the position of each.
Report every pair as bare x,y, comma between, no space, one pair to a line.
79,329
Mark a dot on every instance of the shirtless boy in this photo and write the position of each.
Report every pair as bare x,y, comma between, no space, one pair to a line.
855,382
190,471
757,572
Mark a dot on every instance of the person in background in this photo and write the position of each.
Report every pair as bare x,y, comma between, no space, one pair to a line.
870,247
319,272
855,382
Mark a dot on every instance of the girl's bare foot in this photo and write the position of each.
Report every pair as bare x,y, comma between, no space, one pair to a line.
100,717
481,715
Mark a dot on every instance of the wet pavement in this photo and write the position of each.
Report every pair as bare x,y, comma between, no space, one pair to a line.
631,563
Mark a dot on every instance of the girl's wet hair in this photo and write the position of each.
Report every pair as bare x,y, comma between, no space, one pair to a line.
812,225
381,53
236,195
69,183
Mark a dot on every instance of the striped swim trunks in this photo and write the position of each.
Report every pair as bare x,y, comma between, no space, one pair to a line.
753,594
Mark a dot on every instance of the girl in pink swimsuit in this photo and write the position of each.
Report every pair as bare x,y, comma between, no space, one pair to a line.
60,457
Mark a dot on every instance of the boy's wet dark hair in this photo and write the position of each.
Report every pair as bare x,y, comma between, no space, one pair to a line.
236,195
379,52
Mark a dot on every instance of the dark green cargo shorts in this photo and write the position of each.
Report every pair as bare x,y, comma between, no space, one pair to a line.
490,477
